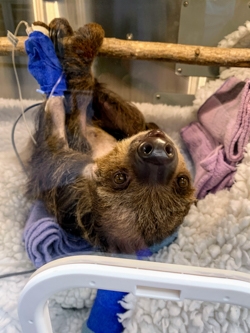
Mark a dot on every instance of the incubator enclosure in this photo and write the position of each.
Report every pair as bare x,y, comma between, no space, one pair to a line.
200,280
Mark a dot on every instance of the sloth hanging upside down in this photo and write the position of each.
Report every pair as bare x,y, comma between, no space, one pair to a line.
105,173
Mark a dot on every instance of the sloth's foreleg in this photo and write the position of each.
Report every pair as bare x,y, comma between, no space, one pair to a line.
57,173
55,119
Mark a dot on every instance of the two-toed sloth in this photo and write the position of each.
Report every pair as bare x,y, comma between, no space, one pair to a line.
105,173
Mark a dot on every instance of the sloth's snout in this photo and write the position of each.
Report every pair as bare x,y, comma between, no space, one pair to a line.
156,158
157,149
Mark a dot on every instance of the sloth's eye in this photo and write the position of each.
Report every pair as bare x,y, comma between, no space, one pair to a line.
183,181
120,178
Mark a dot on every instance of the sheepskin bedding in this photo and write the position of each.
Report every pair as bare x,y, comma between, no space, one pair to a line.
14,209
215,233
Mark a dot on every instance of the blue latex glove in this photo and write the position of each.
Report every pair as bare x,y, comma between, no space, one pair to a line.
43,63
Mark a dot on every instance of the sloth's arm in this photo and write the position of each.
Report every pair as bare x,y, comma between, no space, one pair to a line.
115,113
56,172
76,52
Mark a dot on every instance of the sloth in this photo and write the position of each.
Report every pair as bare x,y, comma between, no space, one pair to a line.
100,169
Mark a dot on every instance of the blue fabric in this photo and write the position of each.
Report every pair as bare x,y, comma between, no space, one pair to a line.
103,317
43,63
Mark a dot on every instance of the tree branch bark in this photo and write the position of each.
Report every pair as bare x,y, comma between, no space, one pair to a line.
188,54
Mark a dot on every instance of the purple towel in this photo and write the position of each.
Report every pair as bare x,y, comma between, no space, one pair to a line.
45,240
217,141
212,171
226,116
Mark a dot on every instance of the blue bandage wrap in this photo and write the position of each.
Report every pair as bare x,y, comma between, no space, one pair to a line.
44,65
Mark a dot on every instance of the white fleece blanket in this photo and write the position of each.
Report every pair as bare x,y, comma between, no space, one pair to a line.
216,233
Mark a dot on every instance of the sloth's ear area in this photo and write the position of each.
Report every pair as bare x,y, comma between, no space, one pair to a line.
85,220
86,216
75,206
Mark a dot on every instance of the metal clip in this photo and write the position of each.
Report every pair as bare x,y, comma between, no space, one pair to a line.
12,38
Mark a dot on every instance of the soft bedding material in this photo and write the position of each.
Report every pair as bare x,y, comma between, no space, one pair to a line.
45,240
215,233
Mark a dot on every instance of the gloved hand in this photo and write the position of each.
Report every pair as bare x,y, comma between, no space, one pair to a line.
43,63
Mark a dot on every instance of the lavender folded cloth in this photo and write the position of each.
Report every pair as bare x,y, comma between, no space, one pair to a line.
45,240
226,116
212,170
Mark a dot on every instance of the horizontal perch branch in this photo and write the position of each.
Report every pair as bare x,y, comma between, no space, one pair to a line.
188,54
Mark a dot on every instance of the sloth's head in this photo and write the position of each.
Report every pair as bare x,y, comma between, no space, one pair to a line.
142,191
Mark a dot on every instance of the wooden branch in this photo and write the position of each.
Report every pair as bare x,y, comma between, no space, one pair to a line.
188,54
6,46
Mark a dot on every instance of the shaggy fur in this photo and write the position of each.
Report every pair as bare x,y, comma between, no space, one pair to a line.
87,166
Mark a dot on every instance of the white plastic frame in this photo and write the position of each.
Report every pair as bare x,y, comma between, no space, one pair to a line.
142,278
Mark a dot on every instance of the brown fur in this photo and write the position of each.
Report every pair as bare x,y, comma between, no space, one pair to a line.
77,159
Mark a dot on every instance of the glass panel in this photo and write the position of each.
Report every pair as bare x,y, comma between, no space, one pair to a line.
150,162
12,12
214,20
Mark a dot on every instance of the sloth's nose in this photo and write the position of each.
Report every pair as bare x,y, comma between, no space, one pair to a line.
156,148
157,157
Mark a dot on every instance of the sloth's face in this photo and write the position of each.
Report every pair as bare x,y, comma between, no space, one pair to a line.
142,190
